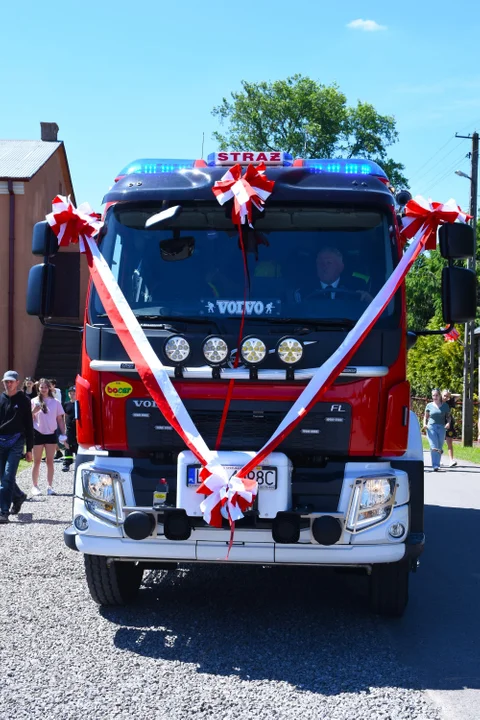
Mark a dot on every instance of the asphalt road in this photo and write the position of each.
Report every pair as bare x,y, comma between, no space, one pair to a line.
438,639
241,642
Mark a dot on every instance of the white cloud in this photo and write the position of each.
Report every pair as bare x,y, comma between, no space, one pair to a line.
366,25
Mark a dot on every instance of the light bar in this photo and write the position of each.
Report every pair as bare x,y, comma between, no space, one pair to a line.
245,157
344,167
155,166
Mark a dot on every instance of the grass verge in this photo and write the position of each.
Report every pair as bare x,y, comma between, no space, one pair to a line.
459,451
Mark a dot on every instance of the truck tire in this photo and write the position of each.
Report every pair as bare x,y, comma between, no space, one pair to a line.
112,582
389,588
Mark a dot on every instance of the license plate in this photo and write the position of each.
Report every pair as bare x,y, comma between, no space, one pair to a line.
265,475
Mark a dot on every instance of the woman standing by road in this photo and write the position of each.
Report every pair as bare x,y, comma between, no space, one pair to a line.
47,414
437,415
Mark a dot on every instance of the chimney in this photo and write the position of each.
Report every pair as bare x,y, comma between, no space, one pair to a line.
49,131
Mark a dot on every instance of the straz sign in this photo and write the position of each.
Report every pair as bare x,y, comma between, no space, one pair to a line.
235,307
244,158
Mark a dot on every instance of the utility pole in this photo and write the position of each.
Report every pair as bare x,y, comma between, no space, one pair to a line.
469,343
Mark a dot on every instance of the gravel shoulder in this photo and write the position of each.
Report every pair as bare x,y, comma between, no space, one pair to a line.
209,642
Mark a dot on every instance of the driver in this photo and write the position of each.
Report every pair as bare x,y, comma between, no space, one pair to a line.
333,283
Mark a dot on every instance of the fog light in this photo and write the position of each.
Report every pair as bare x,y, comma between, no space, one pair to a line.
139,525
396,530
253,351
81,522
177,349
290,351
176,525
215,350
326,530
286,528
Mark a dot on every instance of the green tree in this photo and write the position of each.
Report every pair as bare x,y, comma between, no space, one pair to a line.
433,362
303,117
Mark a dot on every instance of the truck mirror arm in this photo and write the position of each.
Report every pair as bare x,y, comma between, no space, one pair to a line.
442,331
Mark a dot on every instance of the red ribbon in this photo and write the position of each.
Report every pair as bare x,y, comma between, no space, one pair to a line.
253,188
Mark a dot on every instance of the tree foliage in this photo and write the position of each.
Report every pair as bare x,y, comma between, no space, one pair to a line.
303,117
432,362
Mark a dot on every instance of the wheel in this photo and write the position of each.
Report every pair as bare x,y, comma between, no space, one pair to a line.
389,588
112,582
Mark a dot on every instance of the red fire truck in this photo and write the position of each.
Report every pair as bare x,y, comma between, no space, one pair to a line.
345,487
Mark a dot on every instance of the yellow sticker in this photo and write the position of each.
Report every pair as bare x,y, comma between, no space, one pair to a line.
118,389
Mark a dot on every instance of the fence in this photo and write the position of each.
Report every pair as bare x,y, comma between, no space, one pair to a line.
418,404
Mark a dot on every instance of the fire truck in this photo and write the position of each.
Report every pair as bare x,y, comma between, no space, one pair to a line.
345,488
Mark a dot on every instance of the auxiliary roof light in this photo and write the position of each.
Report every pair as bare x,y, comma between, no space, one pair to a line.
253,351
215,350
290,351
177,349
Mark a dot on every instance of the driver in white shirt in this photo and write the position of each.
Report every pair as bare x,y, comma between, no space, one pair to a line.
329,271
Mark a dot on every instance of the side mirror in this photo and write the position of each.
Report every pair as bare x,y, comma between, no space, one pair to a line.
40,290
44,240
402,197
459,295
457,241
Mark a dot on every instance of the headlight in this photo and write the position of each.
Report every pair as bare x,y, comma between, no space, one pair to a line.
177,349
215,350
290,351
253,351
376,491
99,492
372,501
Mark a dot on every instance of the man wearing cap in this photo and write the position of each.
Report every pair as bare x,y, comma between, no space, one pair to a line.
16,430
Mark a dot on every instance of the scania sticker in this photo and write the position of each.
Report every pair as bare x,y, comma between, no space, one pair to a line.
118,389
235,307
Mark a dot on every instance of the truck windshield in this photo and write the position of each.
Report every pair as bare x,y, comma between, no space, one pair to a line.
303,262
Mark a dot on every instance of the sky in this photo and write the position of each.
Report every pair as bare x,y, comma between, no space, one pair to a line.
128,80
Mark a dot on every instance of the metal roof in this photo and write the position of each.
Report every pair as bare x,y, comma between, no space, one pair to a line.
24,158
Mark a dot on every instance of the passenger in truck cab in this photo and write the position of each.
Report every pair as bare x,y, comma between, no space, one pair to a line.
332,281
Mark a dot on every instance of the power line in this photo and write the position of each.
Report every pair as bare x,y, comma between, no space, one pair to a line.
425,174
445,173
433,156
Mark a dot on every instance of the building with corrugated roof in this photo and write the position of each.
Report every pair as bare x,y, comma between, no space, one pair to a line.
32,172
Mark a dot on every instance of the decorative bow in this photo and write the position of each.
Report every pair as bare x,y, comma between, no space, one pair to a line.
253,188
419,212
226,497
71,224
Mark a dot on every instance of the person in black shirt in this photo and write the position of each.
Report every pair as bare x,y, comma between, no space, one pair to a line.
29,388
16,430
71,445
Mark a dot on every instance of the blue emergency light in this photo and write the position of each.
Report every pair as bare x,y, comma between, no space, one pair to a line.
344,167
155,166
351,166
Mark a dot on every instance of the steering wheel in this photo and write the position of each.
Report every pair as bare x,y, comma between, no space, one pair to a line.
324,292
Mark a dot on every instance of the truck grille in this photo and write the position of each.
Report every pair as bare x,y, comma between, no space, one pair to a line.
249,425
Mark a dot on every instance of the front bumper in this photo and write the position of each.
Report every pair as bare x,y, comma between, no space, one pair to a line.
244,550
